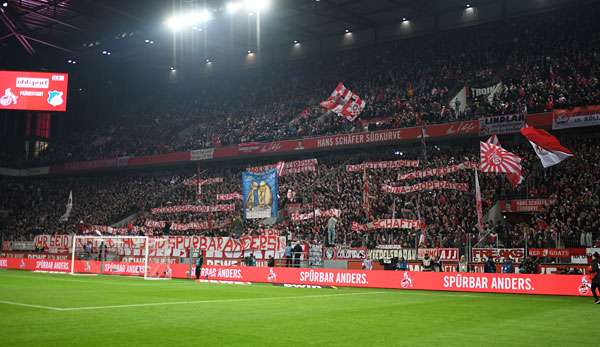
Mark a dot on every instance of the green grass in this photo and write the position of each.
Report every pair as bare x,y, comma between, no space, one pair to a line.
88,311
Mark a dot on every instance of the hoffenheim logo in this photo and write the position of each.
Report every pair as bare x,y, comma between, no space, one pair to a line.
55,98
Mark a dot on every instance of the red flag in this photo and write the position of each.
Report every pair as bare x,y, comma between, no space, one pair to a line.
496,159
344,102
546,146
514,178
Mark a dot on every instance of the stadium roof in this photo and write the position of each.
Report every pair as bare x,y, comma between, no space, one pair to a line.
78,28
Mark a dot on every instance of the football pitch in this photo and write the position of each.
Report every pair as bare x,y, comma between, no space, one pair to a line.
61,310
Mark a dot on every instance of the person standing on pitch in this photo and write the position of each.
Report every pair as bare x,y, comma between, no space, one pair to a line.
199,262
595,276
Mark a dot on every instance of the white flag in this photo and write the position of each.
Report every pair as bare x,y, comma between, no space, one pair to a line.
65,217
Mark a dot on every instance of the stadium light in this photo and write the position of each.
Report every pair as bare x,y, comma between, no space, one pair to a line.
347,31
404,19
187,20
252,6
5,4
296,42
172,68
468,5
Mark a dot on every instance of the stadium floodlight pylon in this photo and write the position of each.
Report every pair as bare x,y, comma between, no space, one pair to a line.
117,255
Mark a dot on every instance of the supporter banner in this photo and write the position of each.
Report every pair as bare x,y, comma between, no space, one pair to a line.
206,225
439,171
525,205
444,254
382,165
194,208
34,91
230,196
345,253
576,117
194,181
389,224
318,213
431,185
20,246
389,251
260,193
171,246
498,125
202,154
556,252
498,254
53,243
289,167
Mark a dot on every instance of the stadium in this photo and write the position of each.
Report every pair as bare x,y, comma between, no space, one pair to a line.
312,172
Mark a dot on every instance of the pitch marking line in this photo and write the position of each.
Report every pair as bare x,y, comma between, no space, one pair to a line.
30,305
182,302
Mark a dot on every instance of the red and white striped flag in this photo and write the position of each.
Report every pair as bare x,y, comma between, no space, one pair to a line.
344,102
546,146
514,178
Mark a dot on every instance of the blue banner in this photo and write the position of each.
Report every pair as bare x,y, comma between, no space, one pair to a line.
259,191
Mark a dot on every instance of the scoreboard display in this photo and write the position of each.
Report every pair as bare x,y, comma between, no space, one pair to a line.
33,91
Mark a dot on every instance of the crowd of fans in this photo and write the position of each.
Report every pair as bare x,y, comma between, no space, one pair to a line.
404,84
540,63
36,205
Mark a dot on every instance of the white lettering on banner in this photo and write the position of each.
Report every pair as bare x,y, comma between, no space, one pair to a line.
45,265
333,278
478,282
31,93
221,273
357,139
431,185
32,82
3,263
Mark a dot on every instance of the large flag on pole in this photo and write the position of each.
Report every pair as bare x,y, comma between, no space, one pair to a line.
344,103
478,203
514,178
65,217
546,146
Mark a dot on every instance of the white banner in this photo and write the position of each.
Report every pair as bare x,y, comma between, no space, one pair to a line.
194,208
498,125
382,165
431,185
289,167
334,212
438,171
